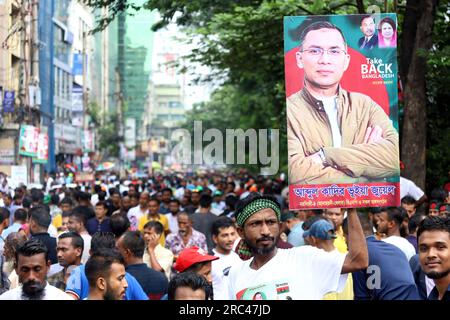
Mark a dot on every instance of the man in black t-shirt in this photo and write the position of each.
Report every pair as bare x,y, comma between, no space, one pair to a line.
40,220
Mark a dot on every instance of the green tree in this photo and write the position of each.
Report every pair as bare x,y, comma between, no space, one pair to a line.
241,41
109,138
438,95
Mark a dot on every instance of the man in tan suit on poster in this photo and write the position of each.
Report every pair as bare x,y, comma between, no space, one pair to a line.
335,136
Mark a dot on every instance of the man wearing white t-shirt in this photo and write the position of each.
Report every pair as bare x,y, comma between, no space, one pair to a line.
224,236
32,267
299,273
389,223
409,188
174,208
77,223
136,213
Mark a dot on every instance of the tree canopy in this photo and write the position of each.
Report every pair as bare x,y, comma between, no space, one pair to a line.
242,43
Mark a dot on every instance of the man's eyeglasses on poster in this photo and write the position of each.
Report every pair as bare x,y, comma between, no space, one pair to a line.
334,52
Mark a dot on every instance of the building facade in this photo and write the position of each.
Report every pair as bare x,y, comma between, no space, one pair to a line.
135,63
20,91
65,132
47,76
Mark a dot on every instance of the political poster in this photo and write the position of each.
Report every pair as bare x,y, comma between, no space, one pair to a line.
342,110
42,151
28,140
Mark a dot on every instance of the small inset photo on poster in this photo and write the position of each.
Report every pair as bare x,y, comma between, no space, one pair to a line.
342,111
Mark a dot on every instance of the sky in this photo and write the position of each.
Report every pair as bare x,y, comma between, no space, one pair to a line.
168,45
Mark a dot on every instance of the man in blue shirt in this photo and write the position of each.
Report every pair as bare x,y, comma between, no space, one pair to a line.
388,276
100,222
78,285
106,274
11,206
293,223
166,195
20,218
132,245
434,254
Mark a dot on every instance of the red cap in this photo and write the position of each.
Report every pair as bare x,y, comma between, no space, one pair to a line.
434,205
192,255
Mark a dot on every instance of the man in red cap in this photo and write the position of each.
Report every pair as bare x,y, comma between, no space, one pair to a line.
444,210
433,210
196,260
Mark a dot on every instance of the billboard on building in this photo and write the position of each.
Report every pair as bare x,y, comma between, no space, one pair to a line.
130,133
28,140
77,106
42,151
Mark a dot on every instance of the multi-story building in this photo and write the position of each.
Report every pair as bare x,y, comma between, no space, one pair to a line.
166,93
106,64
19,84
86,74
10,56
47,76
135,48
65,133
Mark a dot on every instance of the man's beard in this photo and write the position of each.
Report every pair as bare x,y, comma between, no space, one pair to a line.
109,294
36,293
262,251
224,248
437,275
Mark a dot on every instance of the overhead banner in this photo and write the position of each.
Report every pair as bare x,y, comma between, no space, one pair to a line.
28,141
341,97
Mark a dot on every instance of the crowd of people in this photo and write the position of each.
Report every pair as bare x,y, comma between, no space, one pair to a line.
220,236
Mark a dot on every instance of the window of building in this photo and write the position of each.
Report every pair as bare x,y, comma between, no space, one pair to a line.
57,81
60,75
